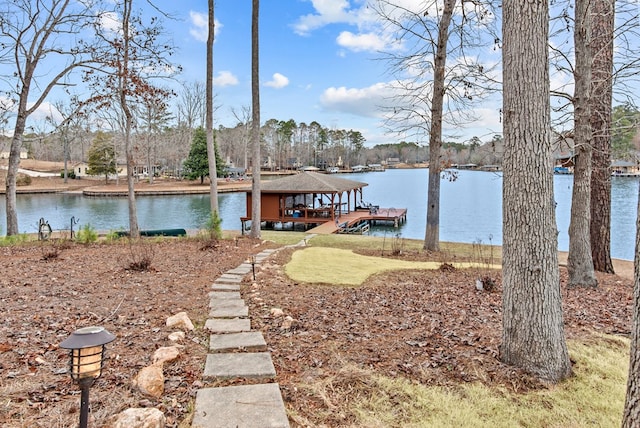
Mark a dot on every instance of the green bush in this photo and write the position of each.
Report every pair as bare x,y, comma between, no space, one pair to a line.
86,234
214,226
70,174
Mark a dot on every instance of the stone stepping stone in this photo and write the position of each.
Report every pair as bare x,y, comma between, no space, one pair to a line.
243,406
229,312
257,365
250,341
223,325
217,286
225,295
229,279
240,270
226,303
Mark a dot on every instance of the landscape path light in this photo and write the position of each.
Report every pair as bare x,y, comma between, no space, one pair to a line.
86,351
252,260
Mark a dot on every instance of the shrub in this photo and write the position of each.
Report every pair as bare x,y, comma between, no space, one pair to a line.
86,234
70,174
140,256
23,180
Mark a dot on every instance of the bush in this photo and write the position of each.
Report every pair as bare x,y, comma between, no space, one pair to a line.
23,180
70,174
212,232
140,256
86,234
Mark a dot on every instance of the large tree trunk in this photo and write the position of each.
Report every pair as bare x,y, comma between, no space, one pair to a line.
602,16
579,261
631,416
533,336
211,151
255,121
432,233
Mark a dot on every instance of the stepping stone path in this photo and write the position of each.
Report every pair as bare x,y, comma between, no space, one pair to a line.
237,352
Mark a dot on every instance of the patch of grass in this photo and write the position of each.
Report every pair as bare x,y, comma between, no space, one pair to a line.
594,396
283,237
6,241
344,267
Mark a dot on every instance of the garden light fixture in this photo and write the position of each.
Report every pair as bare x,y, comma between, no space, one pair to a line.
252,260
86,350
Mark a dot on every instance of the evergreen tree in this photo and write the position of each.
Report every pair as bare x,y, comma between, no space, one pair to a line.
197,163
102,157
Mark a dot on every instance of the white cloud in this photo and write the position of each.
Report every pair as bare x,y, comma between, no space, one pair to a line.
110,22
278,81
200,26
367,102
225,78
361,42
327,12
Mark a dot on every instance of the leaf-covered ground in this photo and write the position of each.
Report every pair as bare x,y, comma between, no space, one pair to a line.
44,301
433,327
430,326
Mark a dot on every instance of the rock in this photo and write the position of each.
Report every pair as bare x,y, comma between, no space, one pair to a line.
276,312
180,320
164,354
176,336
138,418
288,323
150,380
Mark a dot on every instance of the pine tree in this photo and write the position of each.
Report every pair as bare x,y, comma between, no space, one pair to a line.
197,163
102,157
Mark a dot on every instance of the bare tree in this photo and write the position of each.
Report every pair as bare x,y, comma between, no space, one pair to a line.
533,332
211,154
579,261
437,80
191,105
130,59
31,40
255,120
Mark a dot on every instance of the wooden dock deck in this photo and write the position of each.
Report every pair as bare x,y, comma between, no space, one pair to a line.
396,216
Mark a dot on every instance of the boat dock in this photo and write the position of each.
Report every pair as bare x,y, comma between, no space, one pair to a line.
358,221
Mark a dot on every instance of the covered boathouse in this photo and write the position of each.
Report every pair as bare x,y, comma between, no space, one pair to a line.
326,203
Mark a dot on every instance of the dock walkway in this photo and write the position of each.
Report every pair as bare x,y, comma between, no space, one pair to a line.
396,216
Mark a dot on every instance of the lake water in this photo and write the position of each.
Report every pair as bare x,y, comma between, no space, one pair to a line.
471,208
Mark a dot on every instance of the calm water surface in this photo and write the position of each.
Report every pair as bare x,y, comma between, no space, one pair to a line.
471,208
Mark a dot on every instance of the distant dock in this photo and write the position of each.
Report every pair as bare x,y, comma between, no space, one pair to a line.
353,221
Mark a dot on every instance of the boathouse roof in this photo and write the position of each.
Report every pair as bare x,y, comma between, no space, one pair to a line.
310,182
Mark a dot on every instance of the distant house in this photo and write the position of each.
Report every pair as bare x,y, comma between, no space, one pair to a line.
621,168
80,169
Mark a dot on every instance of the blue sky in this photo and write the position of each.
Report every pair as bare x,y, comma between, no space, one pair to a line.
318,61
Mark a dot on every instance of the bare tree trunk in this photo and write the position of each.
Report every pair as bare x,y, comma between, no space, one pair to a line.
211,151
602,15
432,233
579,262
533,336
134,231
631,415
255,120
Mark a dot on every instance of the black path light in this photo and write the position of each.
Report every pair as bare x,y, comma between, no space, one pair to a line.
252,260
86,350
